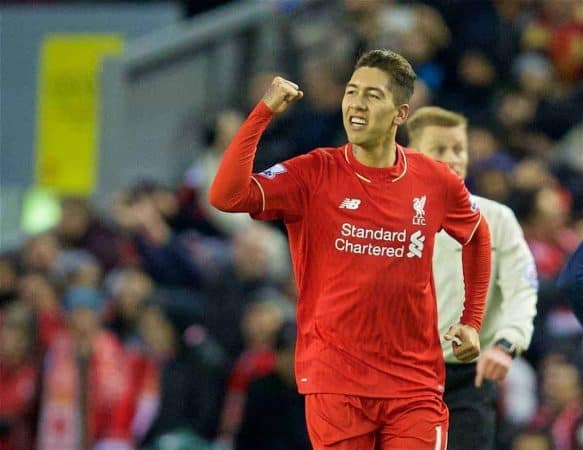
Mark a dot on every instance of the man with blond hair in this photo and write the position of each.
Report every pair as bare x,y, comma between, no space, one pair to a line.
470,391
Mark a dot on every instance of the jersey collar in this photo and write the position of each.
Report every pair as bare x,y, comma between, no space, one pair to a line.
375,174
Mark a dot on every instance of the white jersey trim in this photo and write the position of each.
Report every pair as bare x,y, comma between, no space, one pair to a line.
474,230
438,437
368,180
262,193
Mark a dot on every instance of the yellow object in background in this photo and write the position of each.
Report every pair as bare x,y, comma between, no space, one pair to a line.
68,110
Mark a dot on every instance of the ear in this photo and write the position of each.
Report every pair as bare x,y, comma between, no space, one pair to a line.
403,113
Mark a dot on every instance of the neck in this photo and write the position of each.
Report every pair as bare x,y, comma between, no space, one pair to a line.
380,155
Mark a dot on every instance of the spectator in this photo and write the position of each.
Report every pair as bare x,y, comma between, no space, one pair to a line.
571,281
43,297
80,228
558,31
260,323
191,372
18,379
532,440
8,280
274,412
194,191
84,381
260,259
561,410
129,290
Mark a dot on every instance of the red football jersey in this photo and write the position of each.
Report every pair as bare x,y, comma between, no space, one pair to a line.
361,241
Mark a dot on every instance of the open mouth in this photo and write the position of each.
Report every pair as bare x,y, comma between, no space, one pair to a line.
357,123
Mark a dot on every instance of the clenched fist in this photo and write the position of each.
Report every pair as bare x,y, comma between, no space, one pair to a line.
465,342
281,94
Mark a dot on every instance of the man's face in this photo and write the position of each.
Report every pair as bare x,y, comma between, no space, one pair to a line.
447,144
368,108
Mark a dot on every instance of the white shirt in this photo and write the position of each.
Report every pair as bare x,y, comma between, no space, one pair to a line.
512,295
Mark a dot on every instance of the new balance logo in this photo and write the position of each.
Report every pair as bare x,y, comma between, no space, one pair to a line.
416,245
349,203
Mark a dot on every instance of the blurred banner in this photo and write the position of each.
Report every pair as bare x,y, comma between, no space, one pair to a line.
68,110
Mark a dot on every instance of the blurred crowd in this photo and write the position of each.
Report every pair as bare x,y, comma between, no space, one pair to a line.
162,323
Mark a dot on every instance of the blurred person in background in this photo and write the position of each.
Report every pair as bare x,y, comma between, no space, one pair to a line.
193,193
489,165
561,408
80,228
259,259
130,290
540,110
44,298
476,77
547,230
8,280
41,253
186,259
470,390
557,30
189,382
18,378
85,379
571,281
260,323
273,418
532,440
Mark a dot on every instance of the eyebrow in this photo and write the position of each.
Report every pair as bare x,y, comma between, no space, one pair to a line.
369,88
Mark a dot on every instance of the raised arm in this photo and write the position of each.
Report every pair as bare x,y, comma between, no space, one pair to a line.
233,189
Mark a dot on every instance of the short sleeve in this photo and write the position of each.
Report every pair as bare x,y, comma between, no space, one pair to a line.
286,187
462,215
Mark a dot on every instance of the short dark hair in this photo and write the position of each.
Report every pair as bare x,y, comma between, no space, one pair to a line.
397,67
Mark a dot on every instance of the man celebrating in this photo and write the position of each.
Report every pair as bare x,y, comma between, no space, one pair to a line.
470,391
361,222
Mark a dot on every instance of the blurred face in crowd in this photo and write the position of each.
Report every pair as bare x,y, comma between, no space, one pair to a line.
476,70
157,332
227,125
75,218
446,144
550,208
320,82
15,335
481,144
493,184
368,108
559,11
561,382
133,289
250,252
531,174
41,253
515,110
165,202
87,274
84,322
421,96
38,292
531,441
260,323
8,278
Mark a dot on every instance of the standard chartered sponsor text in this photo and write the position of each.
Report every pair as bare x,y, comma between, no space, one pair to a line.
349,230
